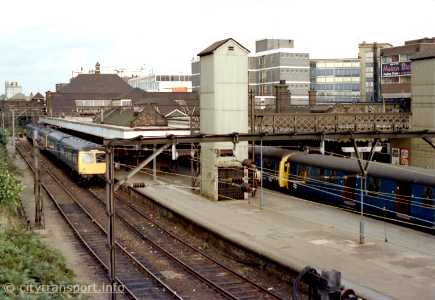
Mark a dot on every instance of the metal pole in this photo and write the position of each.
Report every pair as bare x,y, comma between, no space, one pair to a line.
361,224
154,163
13,130
261,166
37,184
110,211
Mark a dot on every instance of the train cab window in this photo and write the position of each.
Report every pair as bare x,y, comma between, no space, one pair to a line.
321,176
291,173
374,187
101,157
428,197
331,178
87,158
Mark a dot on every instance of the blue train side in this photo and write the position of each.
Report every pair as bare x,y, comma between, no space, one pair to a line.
85,158
394,191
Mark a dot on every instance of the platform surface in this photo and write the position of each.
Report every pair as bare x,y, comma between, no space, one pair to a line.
300,233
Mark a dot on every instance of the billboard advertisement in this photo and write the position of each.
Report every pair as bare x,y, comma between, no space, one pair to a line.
404,156
395,156
396,69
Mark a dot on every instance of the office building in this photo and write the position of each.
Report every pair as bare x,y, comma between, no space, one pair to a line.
336,80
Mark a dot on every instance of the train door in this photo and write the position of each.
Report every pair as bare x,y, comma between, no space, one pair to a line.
403,198
349,186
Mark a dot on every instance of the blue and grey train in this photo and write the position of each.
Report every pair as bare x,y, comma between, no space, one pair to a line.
392,191
85,158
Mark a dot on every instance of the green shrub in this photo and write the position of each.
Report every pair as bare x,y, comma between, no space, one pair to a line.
10,187
25,261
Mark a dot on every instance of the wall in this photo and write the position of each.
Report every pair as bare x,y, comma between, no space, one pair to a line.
224,108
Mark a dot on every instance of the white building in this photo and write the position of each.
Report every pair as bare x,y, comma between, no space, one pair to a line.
11,89
121,72
163,82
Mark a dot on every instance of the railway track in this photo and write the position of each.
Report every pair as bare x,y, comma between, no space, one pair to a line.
151,263
132,277
202,266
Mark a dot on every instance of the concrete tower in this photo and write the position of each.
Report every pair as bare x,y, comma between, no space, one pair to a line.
224,109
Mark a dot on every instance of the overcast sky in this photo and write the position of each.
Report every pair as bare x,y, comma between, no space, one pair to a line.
43,41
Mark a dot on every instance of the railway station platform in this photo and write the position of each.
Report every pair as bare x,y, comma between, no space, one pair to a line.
299,233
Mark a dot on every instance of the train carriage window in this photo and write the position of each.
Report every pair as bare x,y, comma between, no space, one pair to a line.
101,157
302,173
311,174
87,158
332,178
428,197
321,176
374,187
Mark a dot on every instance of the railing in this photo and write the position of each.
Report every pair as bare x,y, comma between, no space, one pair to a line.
331,122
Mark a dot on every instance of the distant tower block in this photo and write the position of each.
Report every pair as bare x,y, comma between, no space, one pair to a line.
224,109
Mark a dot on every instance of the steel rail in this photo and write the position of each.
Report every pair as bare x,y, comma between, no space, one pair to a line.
217,287
191,248
104,231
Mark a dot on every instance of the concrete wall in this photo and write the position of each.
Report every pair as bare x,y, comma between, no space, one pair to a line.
224,108
421,154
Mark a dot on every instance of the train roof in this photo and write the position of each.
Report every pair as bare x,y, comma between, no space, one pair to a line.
350,166
272,152
74,142
380,170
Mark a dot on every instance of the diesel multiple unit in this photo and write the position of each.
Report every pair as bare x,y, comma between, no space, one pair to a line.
85,158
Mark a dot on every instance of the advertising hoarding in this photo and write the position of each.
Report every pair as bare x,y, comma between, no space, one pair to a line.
393,69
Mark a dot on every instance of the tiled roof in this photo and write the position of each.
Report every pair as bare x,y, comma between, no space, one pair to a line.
18,96
210,49
96,84
136,94
38,96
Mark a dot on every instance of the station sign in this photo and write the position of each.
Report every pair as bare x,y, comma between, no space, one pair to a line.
360,149
402,68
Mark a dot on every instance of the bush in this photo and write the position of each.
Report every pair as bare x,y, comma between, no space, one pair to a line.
27,261
4,136
10,187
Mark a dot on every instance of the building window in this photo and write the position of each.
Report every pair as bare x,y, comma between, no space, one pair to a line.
288,71
306,71
296,56
292,55
297,71
306,87
283,71
288,55
231,48
306,56
293,71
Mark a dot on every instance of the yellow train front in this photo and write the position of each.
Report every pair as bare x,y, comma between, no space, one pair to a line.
86,159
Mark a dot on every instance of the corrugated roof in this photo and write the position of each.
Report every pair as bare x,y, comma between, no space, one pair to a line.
210,49
424,54
96,84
